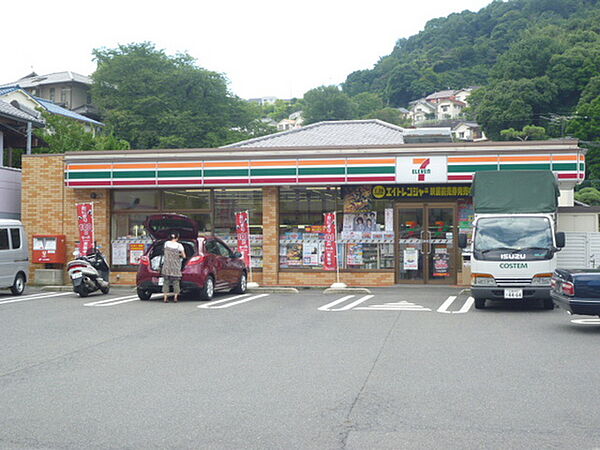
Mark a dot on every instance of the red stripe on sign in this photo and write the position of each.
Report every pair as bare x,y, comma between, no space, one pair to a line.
134,183
351,178
460,177
567,175
209,181
321,180
179,182
88,183
272,180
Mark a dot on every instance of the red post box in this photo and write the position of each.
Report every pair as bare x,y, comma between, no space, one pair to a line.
49,249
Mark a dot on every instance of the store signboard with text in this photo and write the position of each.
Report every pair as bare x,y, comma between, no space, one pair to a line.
421,169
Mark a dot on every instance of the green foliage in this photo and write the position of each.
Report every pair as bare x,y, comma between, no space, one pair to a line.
389,115
367,103
588,195
155,100
282,109
327,103
529,132
63,134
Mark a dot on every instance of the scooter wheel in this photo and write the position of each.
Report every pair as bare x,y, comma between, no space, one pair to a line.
105,290
83,292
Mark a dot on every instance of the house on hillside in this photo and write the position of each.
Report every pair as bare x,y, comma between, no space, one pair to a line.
294,120
421,110
25,101
442,105
67,89
468,131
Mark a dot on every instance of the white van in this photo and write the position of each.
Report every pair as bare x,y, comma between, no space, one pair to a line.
14,256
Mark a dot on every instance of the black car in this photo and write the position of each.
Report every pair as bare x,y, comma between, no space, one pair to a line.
577,291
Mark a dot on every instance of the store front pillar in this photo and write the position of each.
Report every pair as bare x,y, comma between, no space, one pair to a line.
270,235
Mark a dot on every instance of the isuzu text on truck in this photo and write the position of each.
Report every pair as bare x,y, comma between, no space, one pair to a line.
514,242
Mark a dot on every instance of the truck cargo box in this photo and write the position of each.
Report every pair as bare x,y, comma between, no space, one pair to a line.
515,192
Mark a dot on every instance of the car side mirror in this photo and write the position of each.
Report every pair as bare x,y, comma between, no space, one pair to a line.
237,255
560,239
462,240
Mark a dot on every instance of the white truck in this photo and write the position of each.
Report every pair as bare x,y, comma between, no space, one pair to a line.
514,241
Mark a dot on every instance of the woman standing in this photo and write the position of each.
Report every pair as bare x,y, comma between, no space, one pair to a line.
171,268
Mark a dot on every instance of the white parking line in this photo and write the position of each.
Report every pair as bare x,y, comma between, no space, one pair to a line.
586,321
465,308
113,301
228,305
328,307
32,297
398,306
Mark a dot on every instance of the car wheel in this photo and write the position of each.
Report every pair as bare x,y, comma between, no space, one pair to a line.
480,303
144,294
548,303
242,285
19,285
207,292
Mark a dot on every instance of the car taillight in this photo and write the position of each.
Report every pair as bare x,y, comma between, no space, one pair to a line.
195,260
568,288
144,261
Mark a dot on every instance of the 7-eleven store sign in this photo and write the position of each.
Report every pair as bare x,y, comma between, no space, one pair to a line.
426,169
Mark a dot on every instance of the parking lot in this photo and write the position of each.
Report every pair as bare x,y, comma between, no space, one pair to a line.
404,367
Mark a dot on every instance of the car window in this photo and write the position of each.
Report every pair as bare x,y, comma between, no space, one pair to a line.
224,250
15,237
211,247
3,238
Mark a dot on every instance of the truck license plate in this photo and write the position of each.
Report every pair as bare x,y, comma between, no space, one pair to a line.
513,293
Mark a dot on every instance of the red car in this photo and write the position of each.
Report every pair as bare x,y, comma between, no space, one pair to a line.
209,266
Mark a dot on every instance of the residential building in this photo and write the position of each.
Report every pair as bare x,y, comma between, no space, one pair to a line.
468,131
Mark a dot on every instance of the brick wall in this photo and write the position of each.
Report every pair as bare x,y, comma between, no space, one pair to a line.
270,235
356,279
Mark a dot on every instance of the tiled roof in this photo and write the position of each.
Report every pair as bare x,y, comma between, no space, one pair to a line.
51,78
8,110
321,134
441,94
345,133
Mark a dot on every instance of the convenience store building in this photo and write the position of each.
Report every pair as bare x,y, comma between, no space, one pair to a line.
400,203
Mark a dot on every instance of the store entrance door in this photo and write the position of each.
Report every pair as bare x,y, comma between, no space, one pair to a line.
425,244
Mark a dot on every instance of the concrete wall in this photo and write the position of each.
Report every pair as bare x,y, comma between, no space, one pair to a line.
10,193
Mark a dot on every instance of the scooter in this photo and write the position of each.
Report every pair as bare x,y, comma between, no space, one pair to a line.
89,273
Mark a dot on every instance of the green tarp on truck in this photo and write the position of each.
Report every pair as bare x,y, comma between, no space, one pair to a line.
515,192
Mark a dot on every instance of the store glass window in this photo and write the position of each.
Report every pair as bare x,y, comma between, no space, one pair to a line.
179,200
148,200
365,228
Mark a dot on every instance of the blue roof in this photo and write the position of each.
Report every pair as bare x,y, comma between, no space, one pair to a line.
55,109
8,89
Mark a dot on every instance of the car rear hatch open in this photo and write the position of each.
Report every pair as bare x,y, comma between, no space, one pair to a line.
160,226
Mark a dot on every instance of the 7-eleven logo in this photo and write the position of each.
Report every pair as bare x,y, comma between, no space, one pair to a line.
423,163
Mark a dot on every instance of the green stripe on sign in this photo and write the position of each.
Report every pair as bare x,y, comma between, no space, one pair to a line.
179,173
136,174
87,175
564,166
322,171
524,166
272,172
582,167
354,170
471,168
226,173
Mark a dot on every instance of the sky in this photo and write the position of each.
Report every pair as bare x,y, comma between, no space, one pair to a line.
263,47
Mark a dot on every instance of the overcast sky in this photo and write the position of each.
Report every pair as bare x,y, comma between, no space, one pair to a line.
264,47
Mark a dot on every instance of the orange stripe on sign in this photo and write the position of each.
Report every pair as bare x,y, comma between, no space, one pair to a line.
89,166
419,160
473,159
178,165
371,161
134,166
271,163
564,158
226,164
322,162
524,158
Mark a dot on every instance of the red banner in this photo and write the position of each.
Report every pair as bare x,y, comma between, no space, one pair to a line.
243,235
85,221
330,260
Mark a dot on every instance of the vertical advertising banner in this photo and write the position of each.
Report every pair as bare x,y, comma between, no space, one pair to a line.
243,235
85,222
330,259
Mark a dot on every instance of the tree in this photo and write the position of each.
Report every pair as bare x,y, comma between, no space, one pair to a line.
155,100
389,115
63,134
589,195
366,103
327,103
529,132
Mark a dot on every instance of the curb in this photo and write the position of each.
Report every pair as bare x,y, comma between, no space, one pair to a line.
274,290
70,288
346,290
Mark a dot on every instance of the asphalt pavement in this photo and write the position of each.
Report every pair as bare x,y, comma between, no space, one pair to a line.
403,367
